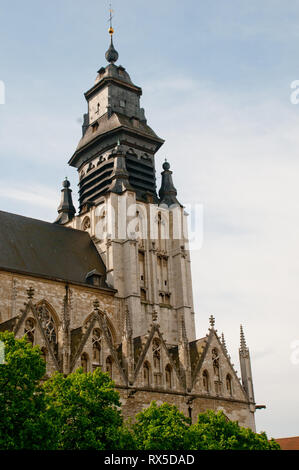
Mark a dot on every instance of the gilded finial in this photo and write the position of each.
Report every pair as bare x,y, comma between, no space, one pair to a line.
112,54
111,30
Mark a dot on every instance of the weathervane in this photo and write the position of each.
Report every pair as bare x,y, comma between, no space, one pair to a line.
111,55
111,30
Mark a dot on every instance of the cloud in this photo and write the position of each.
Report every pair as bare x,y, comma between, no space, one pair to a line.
37,196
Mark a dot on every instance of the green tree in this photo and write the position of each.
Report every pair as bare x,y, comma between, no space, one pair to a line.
160,428
165,428
24,422
85,409
214,432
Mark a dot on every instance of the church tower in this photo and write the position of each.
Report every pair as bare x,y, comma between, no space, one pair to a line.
140,235
111,286
142,327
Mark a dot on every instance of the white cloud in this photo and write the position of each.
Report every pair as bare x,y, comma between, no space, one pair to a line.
36,196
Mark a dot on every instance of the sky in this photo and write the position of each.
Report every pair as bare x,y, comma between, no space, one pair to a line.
216,79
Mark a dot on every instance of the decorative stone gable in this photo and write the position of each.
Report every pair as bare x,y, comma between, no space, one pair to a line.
38,323
93,346
214,375
155,367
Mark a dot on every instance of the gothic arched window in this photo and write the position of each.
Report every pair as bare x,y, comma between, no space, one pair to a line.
146,374
109,366
48,323
97,346
215,359
30,329
205,381
168,376
229,384
157,354
85,362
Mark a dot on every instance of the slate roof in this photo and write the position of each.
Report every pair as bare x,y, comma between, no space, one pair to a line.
40,248
115,122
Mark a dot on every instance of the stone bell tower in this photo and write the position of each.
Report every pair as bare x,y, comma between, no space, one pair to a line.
141,236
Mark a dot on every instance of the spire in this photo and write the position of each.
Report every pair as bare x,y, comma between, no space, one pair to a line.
212,321
120,175
184,354
243,346
167,192
223,343
246,372
66,209
112,54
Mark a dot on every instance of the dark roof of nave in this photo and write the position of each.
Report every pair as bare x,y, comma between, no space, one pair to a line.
39,248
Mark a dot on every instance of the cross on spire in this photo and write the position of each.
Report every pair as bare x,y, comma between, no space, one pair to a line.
212,321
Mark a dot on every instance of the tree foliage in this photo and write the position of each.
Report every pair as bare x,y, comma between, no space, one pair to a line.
165,428
82,411
213,431
160,428
85,409
24,422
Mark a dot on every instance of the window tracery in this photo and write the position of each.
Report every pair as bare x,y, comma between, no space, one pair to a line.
97,346
30,329
157,354
215,359
205,381
48,324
